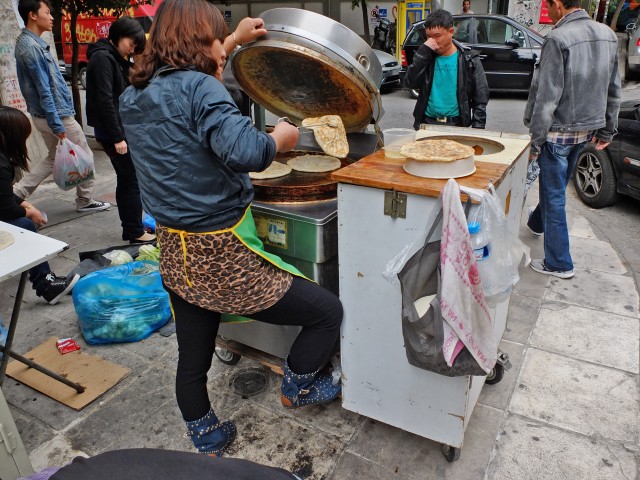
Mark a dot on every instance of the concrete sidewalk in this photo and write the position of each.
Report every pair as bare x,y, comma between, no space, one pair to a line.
568,408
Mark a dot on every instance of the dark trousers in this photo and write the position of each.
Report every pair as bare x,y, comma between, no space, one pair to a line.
38,273
306,304
127,192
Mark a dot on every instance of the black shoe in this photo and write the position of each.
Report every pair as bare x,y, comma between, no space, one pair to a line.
57,287
94,206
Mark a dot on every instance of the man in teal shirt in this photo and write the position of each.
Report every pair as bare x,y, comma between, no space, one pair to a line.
452,83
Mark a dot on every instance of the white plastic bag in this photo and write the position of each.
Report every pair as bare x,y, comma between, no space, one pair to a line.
72,165
499,272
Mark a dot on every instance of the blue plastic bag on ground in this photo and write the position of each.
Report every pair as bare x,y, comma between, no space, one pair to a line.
125,303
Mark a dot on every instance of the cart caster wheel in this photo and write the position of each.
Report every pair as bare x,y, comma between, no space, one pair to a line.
452,454
227,357
495,375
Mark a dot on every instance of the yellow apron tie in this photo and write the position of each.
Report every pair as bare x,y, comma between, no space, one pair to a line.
183,234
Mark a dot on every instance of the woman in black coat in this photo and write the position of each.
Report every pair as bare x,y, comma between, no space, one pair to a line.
107,77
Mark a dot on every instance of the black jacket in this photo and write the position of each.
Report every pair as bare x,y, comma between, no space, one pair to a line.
473,90
10,208
107,77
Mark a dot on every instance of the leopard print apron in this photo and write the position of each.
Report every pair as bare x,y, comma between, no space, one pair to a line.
224,271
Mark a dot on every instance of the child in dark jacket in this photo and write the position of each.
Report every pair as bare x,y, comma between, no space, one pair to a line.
15,128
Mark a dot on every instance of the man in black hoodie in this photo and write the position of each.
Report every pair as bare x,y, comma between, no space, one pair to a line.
107,77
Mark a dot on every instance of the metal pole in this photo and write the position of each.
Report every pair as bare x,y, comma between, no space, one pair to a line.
12,324
6,349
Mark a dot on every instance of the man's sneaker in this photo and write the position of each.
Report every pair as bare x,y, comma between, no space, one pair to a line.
94,206
529,213
539,266
58,287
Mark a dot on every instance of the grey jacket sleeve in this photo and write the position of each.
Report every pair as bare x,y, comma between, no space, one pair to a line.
613,105
230,135
546,94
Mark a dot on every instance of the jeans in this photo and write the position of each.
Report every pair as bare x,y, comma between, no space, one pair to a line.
315,309
556,163
44,168
38,273
127,192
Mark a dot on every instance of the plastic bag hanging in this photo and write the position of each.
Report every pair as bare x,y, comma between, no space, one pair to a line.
72,166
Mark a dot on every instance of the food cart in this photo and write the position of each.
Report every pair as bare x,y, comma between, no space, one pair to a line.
382,209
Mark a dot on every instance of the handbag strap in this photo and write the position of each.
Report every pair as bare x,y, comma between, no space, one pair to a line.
438,220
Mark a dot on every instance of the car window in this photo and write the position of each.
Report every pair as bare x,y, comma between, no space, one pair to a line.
463,28
417,35
496,32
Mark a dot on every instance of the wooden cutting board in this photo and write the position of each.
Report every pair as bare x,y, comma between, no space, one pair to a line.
378,171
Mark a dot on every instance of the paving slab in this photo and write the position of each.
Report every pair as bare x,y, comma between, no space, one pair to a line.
529,450
581,228
596,255
32,432
598,290
577,396
57,452
499,394
355,467
328,418
132,412
587,334
522,316
278,440
531,284
409,454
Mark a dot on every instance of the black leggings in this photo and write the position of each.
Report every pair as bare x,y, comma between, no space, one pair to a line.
306,304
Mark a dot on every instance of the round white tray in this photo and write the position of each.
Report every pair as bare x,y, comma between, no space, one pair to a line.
455,169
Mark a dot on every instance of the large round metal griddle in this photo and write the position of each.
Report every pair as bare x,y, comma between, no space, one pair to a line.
296,82
297,186
308,65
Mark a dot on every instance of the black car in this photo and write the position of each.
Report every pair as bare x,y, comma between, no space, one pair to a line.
508,49
601,175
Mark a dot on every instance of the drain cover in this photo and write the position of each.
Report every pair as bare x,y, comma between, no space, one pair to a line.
249,382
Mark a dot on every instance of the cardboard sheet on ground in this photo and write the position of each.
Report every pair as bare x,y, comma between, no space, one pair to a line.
94,373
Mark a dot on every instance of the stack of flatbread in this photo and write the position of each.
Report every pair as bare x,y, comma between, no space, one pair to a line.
330,134
439,150
438,158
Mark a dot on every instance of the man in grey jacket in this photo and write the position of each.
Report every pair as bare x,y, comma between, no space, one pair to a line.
574,98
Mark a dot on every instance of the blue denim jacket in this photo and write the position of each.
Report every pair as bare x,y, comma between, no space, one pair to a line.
41,82
192,150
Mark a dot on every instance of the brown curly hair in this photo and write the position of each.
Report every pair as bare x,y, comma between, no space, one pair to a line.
182,34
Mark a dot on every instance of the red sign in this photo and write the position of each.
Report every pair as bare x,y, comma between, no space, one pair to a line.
544,14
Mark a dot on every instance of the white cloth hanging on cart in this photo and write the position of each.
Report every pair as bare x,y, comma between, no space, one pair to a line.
467,319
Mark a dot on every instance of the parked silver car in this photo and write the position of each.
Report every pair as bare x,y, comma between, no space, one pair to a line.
632,67
390,71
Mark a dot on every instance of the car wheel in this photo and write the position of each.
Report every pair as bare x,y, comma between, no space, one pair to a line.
82,76
595,178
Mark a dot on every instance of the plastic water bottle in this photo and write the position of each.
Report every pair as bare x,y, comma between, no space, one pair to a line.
479,242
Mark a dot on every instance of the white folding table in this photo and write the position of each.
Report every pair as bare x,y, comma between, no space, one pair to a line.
28,250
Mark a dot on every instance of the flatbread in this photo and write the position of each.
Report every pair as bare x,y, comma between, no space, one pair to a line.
6,239
438,150
332,140
275,170
314,163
